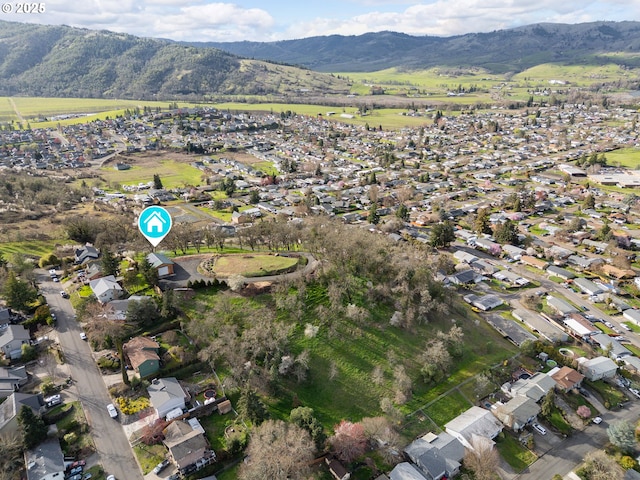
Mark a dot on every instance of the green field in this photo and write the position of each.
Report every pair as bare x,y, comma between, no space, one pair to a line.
30,248
577,75
33,108
173,174
624,157
252,265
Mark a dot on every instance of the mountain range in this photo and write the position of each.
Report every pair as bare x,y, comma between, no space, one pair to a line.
61,61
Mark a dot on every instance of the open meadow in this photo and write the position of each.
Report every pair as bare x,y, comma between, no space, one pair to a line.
624,157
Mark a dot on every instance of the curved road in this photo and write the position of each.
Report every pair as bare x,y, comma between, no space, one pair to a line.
111,443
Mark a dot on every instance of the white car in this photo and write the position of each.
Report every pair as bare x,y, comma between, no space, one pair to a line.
626,327
540,429
597,420
83,336
113,413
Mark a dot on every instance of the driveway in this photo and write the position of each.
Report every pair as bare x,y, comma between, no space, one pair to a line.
111,443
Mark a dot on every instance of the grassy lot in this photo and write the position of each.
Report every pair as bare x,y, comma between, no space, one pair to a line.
556,419
149,456
253,265
351,350
32,248
633,349
75,422
634,328
581,75
576,400
447,408
611,396
625,157
514,453
173,174
214,425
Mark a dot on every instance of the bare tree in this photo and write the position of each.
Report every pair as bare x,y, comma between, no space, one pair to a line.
436,361
279,451
599,466
482,458
402,383
11,460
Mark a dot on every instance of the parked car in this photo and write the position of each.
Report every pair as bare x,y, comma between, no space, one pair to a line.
64,294
608,324
111,477
52,401
540,429
77,476
87,476
175,476
76,470
597,420
113,413
83,335
161,466
626,327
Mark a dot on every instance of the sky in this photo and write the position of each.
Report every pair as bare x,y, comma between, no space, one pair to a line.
271,20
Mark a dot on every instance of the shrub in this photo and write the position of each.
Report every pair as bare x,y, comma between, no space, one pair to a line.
130,406
583,411
48,388
70,438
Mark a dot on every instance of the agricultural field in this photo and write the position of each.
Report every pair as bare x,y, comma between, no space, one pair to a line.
576,75
30,109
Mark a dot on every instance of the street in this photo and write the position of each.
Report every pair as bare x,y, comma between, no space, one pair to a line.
111,443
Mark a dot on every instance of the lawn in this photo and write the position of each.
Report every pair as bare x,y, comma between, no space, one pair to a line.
556,419
611,396
624,157
173,174
447,408
30,248
149,456
253,265
514,453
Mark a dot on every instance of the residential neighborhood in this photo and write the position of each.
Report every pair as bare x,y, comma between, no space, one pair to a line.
527,222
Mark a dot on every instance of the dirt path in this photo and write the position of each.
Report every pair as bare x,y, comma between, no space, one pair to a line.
15,109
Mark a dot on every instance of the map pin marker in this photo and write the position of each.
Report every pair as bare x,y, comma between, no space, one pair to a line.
154,223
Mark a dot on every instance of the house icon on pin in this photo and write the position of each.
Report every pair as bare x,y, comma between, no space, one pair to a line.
154,224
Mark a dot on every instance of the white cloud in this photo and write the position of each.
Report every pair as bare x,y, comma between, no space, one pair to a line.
199,20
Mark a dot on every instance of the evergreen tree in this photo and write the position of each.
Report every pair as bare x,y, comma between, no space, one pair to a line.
305,418
251,407
481,224
402,212
621,434
442,234
506,232
18,294
157,182
109,262
373,217
33,427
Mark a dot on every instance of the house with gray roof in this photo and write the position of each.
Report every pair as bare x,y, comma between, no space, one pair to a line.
562,273
12,339
587,286
598,368
632,315
535,387
475,421
436,456
605,342
406,471
106,289
166,394
10,408
46,461
163,264
517,413
11,379
559,305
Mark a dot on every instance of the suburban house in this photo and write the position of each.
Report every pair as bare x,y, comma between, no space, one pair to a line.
534,262
106,288
5,316
464,277
632,315
560,306
473,422
534,387
46,461
186,446
10,408
587,286
86,254
562,273
517,413
436,456
616,350
406,471
166,394
598,368
483,302
142,354
566,378
12,378
337,470
162,264
117,309
12,339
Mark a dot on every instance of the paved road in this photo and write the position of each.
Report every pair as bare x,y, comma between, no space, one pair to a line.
570,453
111,443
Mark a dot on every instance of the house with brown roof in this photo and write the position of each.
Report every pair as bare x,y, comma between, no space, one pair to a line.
142,354
567,378
186,445
534,262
